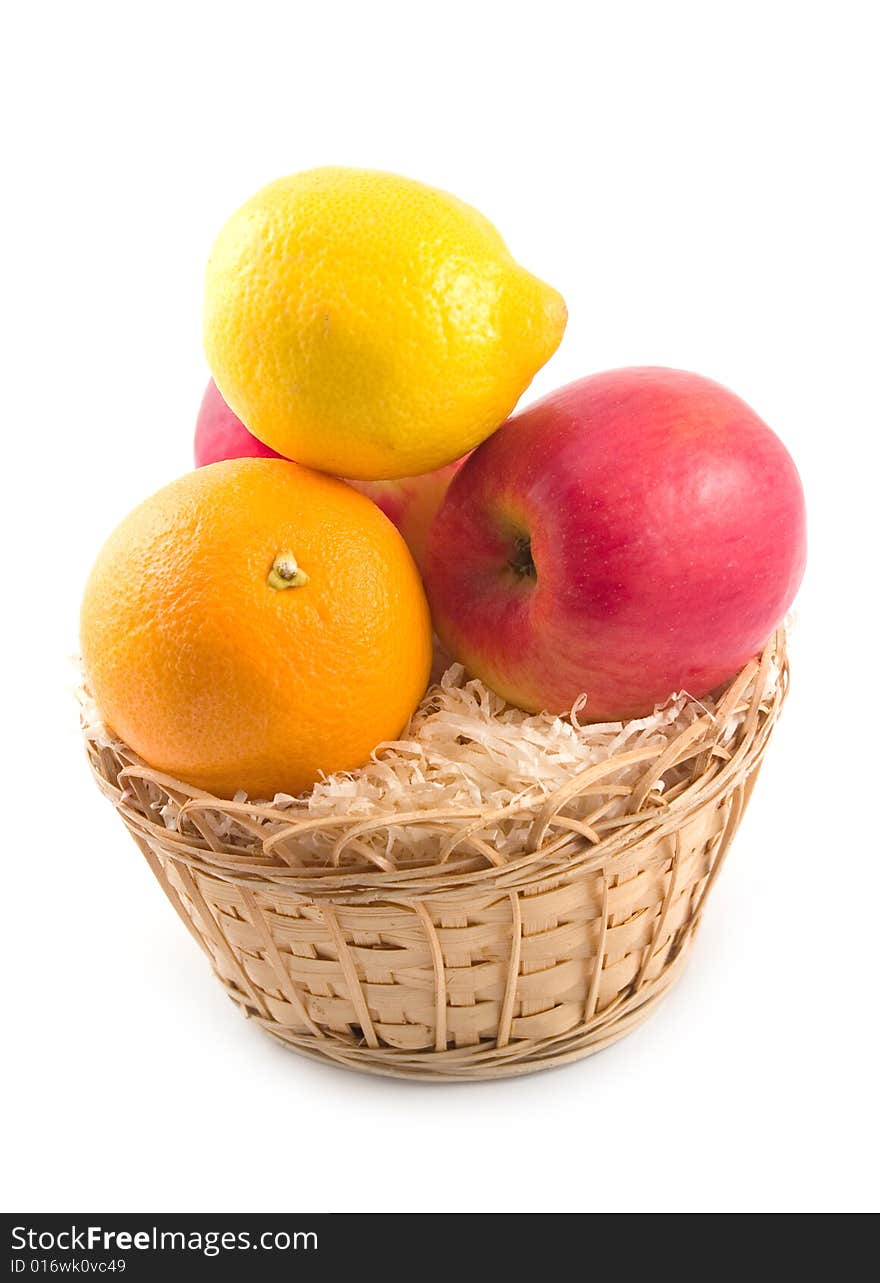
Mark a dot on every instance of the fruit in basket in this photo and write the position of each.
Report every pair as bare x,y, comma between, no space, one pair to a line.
371,326
254,624
410,502
636,533
220,433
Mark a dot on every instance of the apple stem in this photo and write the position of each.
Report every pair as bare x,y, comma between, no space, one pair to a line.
522,563
286,573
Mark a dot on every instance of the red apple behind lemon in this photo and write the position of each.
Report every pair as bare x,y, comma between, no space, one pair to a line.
636,533
410,502
220,433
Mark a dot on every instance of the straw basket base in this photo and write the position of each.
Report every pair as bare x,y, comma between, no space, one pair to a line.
467,1065
478,964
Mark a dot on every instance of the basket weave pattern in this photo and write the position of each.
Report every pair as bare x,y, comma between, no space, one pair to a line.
475,965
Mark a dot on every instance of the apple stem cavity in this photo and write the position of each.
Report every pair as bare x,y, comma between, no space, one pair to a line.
522,563
286,573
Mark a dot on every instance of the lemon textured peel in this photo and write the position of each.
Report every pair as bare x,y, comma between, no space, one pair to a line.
368,325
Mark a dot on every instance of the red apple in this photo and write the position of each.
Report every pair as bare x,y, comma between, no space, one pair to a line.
220,433
410,502
636,533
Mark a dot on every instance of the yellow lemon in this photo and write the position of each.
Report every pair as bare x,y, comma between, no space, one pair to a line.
371,326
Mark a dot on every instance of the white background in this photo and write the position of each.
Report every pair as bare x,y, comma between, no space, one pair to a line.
699,180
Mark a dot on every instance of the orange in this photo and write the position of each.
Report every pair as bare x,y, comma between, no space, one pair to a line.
254,624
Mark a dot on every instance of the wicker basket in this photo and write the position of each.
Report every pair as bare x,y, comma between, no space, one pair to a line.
475,966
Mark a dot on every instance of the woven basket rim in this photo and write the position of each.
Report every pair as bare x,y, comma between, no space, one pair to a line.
651,818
